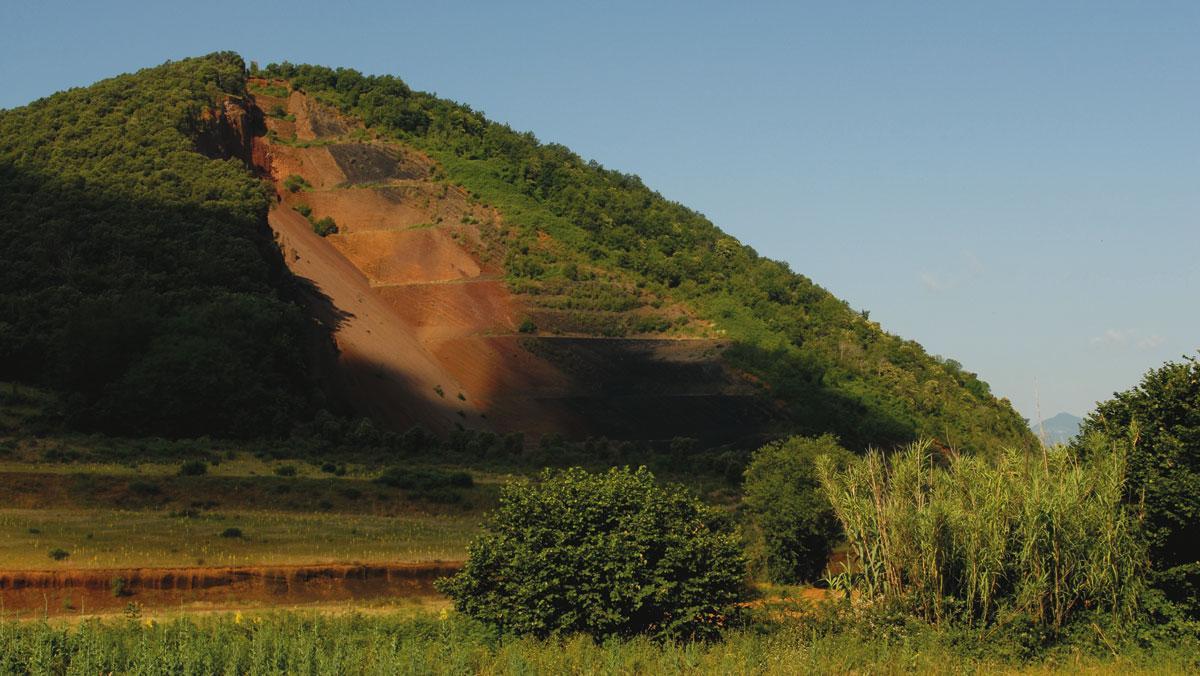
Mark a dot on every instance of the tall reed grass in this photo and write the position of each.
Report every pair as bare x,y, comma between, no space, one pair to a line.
983,541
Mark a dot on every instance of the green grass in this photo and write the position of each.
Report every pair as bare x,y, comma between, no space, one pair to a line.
417,641
277,91
118,539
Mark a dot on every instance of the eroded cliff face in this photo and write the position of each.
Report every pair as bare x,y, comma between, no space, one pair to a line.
228,131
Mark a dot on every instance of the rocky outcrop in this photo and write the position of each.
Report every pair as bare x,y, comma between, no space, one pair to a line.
229,129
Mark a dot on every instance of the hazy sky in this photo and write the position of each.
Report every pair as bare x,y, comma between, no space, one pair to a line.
1015,185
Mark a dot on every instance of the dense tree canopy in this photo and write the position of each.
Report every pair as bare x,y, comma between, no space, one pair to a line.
792,515
137,274
1160,421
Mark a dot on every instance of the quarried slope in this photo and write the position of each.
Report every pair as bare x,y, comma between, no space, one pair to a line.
428,331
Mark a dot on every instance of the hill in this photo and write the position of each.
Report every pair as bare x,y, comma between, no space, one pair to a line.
201,249
1060,429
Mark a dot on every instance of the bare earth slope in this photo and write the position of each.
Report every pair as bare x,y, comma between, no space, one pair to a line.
413,290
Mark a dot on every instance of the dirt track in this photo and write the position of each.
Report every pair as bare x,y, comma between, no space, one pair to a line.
28,594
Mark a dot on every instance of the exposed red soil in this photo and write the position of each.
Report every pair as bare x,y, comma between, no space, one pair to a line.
315,164
400,205
417,304
421,256
453,308
382,369
32,593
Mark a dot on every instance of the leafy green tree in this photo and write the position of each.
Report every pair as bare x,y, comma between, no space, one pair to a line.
609,554
1160,419
793,516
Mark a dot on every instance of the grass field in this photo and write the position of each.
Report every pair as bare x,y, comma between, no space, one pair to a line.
116,538
418,639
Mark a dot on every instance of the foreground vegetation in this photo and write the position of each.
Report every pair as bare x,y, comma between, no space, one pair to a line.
139,284
984,543
836,640
1159,421
609,554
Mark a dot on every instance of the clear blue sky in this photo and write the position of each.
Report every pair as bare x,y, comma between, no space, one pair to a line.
1015,185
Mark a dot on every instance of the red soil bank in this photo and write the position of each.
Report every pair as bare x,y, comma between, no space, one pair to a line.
73,592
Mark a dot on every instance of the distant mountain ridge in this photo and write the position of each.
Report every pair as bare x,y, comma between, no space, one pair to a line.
1060,429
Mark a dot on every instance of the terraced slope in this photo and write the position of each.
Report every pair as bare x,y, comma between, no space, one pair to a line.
414,288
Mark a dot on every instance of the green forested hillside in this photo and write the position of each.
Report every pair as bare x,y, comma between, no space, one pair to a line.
830,366
136,274
138,277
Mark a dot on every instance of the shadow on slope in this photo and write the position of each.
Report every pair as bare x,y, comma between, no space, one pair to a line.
155,316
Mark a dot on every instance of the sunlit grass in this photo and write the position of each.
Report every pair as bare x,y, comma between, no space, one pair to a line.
427,640
116,538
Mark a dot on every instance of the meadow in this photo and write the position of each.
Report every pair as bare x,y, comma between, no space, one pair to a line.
139,538
422,640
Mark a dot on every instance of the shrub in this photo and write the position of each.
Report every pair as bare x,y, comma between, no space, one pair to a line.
1160,420
58,553
296,183
193,468
118,587
231,533
978,541
303,209
325,227
527,326
606,554
793,516
285,470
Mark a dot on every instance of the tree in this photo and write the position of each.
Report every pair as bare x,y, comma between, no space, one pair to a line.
608,554
1160,418
792,514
